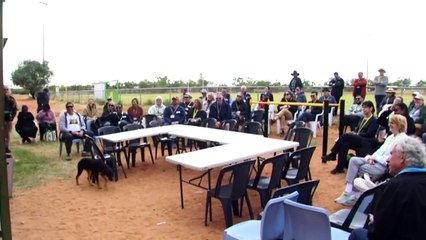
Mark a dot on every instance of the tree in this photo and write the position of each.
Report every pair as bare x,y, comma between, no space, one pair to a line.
403,82
32,76
421,83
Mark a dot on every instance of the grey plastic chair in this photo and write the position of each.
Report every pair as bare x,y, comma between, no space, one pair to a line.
303,156
308,222
269,228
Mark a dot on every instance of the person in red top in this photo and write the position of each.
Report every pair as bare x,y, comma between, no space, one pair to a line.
135,112
360,86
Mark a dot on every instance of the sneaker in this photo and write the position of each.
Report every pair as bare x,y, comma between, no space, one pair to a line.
344,197
350,202
68,158
360,184
86,154
368,182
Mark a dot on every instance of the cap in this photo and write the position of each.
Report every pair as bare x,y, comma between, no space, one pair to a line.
109,98
187,95
415,93
175,98
390,90
419,97
203,91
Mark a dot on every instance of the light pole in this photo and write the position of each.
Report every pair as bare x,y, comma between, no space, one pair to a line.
45,4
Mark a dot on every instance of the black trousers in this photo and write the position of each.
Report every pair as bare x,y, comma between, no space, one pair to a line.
346,142
68,137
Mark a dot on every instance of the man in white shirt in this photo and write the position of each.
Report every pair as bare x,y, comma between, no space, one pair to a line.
72,126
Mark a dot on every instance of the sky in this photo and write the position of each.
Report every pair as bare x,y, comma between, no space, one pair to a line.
132,40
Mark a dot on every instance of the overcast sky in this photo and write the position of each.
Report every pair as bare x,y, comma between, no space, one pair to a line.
132,40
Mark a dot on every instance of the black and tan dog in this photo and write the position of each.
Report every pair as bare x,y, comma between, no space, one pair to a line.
93,169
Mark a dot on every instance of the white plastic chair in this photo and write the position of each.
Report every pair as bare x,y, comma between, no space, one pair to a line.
314,125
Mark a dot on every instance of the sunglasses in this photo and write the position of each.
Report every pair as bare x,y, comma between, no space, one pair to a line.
110,105
313,95
70,106
219,98
358,99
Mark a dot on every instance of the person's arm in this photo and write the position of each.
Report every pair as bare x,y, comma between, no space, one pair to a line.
167,113
62,123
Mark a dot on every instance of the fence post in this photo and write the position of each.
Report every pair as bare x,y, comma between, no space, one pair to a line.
265,120
341,116
325,127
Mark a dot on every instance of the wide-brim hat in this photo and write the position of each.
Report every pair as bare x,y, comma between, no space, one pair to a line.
419,97
187,95
390,90
381,70
175,98
295,73
415,93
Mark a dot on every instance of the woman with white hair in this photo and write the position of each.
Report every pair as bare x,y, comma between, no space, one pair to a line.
375,165
158,108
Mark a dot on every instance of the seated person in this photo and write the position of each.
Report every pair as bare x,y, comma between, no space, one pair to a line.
135,112
109,99
227,98
158,108
90,115
386,109
72,126
397,208
196,115
46,120
174,114
366,129
187,103
239,109
285,112
25,125
354,113
375,165
418,113
208,102
124,119
400,109
220,110
110,117
390,97
326,96
310,113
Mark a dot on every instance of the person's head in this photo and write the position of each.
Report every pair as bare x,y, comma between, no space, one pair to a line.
6,90
368,108
224,91
415,93
314,95
219,98
135,102
197,103
359,99
119,107
243,89
158,100
69,107
326,92
397,124
288,95
298,90
390,92
210,96
91,103
401,109
336,74
239,97
410,153
46,90
418,101
46,107
24,108
360,74
203,92
109,99
187,98
175,101
398,100
111,106
381,72
267,89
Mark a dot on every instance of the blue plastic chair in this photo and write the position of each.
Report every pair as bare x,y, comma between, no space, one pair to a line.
270,227
308,222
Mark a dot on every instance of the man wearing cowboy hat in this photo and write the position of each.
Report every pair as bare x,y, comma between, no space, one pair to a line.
295,82
380,83
390,97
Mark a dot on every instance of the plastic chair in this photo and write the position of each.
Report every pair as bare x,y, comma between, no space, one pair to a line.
135,144
308,222
113,148
257,116
252,127
77,142
270,227
229,193
148,118
314,125
264,184
303,157
162,140
357,216
230,124
306,191
209,123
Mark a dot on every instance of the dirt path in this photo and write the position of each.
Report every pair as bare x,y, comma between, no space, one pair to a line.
145,205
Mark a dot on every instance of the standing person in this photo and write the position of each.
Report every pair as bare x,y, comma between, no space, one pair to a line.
265,97
42,99
337,85
72,126
380,83
220,110
135,112
25,125
295,82
247,100
360,86
10,110
398,207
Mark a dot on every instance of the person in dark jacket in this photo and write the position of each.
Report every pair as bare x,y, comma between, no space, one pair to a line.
220,110
295,82
366,129
239,109
25,125
42,99
337,85
310,113
10,110
398,207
